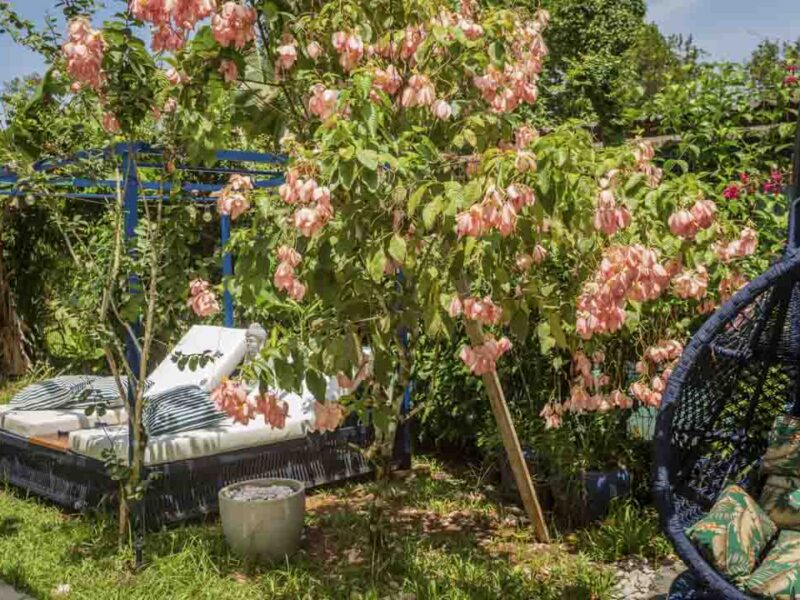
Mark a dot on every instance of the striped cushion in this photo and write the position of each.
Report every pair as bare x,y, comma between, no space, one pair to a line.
183,408
69,391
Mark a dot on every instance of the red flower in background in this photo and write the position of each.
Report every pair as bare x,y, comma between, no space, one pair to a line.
732,192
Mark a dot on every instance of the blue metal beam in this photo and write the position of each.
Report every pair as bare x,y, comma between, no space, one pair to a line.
227,269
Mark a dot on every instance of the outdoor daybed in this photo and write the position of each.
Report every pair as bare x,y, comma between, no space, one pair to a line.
62,454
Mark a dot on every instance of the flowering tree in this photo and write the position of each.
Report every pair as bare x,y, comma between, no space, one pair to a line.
418,199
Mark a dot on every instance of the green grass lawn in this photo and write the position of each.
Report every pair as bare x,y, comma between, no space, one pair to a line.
445,539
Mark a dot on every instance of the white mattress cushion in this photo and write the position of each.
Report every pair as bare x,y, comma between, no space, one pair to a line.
201,442
227,345
31,423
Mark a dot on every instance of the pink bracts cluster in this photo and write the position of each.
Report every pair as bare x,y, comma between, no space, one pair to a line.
418,92
285,278
505,89
608,216
232,199
656,364
482,310
110,123
625,273
643,154
483,359
84,51
328,416
498,211
350,48
322,102
231,397
316,200
589,382
233,25
744,246
229,71
387,80
286,54
172,20
691,284
202,300
686,223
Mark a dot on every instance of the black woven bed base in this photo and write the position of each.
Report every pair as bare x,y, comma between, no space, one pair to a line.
187,490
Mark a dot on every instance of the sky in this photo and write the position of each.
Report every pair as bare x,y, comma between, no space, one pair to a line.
726,29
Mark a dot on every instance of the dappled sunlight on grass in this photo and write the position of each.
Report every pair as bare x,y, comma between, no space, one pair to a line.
441,539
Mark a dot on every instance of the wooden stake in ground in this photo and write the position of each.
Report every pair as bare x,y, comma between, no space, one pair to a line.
502,416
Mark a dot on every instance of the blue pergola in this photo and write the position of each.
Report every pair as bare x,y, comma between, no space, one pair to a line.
139,155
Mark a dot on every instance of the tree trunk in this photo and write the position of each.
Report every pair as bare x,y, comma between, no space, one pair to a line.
13,359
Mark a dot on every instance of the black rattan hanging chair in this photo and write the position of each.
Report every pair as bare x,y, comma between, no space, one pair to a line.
740,371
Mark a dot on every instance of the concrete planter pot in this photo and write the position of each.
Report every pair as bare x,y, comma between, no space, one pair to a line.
263,529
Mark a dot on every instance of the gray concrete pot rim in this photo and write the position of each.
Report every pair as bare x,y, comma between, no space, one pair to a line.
298,487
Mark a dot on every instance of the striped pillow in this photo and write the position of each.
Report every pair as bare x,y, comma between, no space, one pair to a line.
182,408
68,391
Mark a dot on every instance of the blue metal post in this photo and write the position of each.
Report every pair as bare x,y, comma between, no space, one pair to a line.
227,268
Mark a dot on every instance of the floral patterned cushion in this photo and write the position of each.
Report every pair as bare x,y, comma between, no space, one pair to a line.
734,533
776,500
778,575
783,448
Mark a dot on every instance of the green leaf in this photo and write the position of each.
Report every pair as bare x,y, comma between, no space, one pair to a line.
376,265
519,324
554,319
546,341
431,212
316,384
368,158
397,248
413,201
347,174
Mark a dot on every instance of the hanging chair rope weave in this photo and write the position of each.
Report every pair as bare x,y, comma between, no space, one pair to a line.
738,372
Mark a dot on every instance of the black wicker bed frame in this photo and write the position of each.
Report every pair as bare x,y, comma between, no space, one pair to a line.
187,490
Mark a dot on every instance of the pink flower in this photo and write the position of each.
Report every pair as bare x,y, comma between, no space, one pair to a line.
455,308
682,223
275,411
520,196
204,304
110,123
287,55
539,254
231,398
387,80
307,221
233,25
483,311
508,220
525,161
551,413
470,223
289,255
175,77
314,50
198,286
524,262
327,417
441,110
84,51
703,212
323,101
732,192
692,284
483,359
744,246
524,135
418,92
229,71
232,199
172,20
609,218
350,48
621,400
171,105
